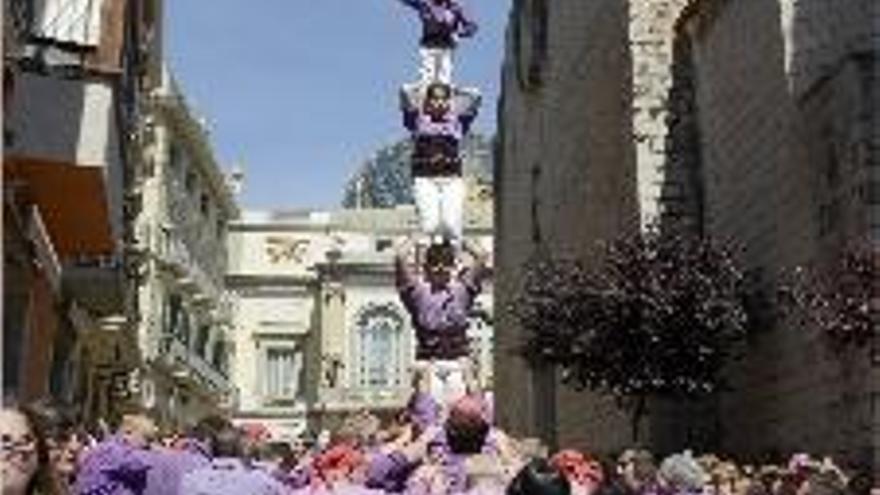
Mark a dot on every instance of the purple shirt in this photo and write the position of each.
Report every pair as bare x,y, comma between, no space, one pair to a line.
437,139
439,309
296,479
439,315
424,410
229,476
170,466
340,489
454,466
453,125
388,472
442,24
114,467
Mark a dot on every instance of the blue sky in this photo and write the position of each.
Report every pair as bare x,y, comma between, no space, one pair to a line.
302,91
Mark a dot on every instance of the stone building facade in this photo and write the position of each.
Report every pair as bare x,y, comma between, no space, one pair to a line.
181,238
751,120
319,328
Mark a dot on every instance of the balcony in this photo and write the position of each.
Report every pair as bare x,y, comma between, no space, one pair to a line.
194,371
174,256
177,258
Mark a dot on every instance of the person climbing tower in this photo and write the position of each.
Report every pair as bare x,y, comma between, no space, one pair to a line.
437,130
444,22
439,302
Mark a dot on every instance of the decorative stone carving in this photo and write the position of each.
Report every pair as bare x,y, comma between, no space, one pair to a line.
286,250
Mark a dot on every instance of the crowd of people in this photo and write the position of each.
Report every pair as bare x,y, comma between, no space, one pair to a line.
424,450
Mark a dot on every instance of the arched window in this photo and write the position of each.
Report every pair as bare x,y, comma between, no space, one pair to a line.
379,331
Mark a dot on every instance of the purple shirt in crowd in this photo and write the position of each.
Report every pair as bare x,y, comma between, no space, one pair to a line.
114,467
230,476
388,472
442,24
454,466
439,315
297,478
424,410
169,466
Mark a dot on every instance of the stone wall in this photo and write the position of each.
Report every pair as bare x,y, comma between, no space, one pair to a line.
754,121
778,90
651,41
564,180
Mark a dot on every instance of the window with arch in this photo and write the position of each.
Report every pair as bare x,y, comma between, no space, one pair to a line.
379,336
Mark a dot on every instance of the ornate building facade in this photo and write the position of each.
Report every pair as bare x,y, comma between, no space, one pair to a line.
319,328
181,237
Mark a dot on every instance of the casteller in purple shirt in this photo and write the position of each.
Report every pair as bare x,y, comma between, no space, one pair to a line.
114,467
437,128
230,476
169,466
443,22
439,303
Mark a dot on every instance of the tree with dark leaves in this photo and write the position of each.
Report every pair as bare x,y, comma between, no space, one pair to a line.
658,316
840,299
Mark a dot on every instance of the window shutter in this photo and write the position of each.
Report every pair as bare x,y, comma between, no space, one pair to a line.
70,21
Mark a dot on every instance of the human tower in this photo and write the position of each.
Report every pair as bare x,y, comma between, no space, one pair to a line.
438,115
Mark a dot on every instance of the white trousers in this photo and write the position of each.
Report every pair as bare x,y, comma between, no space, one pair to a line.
436,65
448,382
440,205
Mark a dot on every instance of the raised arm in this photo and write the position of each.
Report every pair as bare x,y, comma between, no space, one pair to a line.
415,4
473,98
465,26
405,274
473,275
408,109
469,114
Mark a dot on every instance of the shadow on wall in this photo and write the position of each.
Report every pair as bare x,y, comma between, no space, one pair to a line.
562,183
761,89
832,61
723,149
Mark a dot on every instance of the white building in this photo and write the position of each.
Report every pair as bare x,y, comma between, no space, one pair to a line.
181,233
319,328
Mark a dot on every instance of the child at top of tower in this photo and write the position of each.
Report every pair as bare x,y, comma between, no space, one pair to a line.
443,23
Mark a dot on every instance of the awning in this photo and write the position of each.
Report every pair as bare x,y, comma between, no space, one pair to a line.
72,200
